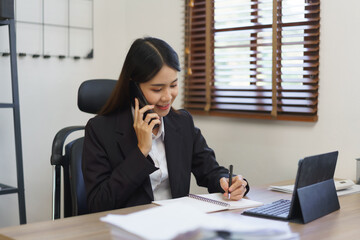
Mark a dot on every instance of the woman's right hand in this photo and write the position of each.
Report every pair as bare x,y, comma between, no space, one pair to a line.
142,127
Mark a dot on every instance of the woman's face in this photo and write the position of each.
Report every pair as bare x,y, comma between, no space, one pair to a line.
161,90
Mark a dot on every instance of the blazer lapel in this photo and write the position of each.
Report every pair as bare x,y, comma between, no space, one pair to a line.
127,140
126,136
173,139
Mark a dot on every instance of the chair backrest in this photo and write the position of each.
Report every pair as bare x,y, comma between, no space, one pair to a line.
92,95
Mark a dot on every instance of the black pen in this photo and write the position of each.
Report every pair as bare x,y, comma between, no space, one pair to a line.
230,179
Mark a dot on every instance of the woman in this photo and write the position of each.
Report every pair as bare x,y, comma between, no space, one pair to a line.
127,161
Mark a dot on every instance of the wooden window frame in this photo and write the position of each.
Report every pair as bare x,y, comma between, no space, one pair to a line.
274,101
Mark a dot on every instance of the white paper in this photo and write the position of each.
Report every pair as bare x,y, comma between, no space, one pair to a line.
343,187
167,222
354,189
159,223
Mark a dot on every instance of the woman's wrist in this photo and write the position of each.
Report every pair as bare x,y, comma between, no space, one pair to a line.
144,151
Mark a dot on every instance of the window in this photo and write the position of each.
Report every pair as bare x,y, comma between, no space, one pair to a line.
250,58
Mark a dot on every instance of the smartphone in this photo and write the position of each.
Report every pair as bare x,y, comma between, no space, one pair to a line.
135,92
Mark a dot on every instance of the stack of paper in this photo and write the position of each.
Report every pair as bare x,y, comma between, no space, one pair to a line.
179,221
343,187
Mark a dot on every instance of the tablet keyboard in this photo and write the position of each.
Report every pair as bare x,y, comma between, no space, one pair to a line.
279,209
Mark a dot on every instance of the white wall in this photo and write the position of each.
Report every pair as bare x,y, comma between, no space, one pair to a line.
263,151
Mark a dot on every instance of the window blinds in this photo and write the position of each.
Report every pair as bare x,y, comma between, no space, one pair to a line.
248,58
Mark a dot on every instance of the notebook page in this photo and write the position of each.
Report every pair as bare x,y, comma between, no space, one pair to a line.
208,207
202,206
243,203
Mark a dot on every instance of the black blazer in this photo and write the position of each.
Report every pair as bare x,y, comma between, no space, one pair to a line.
116,173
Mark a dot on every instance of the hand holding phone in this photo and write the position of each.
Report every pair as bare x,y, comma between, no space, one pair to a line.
135,92
143,129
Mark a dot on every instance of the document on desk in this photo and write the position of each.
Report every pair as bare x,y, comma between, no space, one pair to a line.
179,221
343,187
210,202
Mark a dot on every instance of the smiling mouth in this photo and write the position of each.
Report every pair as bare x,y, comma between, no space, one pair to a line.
165,107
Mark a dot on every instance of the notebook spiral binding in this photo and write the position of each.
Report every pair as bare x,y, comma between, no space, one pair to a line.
224,204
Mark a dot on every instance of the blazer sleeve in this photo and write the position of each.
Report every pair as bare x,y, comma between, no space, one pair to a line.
205,168
110,181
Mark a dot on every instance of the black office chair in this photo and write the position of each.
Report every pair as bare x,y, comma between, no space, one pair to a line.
92,95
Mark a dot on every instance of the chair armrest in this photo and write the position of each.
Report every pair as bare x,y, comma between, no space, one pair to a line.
58,143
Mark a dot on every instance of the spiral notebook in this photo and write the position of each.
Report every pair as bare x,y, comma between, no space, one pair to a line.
210,202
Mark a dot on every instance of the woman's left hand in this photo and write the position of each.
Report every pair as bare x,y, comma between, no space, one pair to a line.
237,189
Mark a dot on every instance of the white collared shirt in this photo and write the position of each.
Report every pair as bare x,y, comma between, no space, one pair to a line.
160,178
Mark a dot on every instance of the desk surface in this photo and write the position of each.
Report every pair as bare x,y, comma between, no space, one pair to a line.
342,224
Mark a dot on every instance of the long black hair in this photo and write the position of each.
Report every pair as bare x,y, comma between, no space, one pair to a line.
144,60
